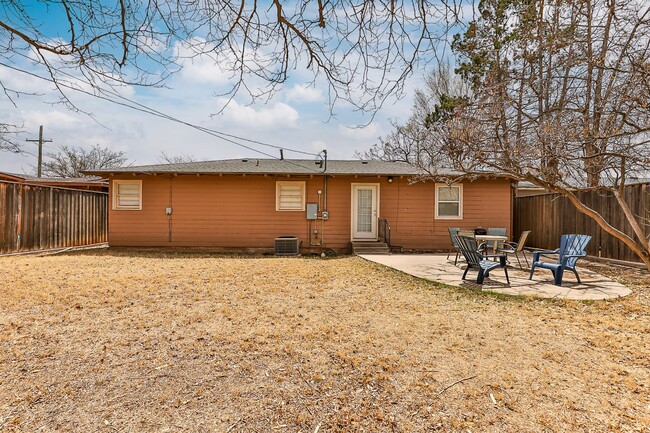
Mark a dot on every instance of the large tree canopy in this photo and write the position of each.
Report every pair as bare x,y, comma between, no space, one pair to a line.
363,49
556,93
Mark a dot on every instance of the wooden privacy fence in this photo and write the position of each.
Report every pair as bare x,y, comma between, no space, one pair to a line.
549,216
43,217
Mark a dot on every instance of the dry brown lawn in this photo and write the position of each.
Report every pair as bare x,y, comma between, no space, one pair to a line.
124,341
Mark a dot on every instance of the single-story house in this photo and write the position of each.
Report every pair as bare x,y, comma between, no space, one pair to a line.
87,183
526,189
245,204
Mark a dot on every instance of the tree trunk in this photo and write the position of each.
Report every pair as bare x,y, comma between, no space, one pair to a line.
641,250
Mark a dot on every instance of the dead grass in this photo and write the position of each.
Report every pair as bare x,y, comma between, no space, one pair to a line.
131,341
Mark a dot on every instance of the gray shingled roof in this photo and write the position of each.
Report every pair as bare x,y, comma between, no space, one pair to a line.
274,166
30,178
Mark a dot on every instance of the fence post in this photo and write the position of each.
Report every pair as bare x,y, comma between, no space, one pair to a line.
19,216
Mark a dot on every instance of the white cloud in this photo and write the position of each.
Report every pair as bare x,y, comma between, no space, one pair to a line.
52,119
198,66
318,145
202,69
23,82
365,133
152,43
276,115
304,93
190,97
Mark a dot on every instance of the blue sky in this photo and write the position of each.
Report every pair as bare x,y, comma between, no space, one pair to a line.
297,117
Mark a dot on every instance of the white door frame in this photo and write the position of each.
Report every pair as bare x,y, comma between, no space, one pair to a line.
373,235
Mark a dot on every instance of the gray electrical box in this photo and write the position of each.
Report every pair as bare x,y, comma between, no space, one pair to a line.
312,211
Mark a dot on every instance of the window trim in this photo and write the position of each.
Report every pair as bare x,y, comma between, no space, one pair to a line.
117,182
460,202
303,194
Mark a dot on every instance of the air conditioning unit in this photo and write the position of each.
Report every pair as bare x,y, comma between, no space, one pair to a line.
287,246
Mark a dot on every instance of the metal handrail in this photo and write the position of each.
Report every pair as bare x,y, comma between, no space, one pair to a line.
384,230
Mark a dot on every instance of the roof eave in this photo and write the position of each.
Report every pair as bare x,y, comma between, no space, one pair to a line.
248,173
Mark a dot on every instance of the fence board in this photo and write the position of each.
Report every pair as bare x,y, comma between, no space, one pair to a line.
39,217
549,216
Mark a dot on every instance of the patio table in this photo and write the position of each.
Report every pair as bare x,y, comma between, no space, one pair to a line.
492,240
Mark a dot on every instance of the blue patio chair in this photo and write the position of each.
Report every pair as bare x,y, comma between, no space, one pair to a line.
453,233
478,261
572,247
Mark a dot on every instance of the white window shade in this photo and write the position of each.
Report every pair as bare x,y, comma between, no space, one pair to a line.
127,194
290,196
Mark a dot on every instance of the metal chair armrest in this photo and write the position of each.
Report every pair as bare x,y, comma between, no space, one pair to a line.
512,245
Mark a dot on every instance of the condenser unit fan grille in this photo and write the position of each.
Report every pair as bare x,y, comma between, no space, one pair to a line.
287,246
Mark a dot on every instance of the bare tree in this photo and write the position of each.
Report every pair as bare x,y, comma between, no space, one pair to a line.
364,50
8,142
8,131
559,95
165,158
417,140
72,161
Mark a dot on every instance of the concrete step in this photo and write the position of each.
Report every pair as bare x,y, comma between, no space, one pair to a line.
370,248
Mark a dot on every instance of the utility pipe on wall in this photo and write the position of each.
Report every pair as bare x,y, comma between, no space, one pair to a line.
171,206
322,236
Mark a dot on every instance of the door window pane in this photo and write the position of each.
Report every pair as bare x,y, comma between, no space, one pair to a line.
364,210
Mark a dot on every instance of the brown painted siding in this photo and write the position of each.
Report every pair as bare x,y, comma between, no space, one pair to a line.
238,212
410,210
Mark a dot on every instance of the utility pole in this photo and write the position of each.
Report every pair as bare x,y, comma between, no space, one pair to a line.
40,142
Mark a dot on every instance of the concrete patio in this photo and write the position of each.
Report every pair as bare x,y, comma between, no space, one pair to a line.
436,267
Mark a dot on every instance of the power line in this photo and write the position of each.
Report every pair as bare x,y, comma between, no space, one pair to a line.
149,110
48,146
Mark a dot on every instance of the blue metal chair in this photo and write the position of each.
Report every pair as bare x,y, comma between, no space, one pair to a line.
572,247
476,260
453,233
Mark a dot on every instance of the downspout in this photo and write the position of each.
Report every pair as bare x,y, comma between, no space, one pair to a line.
169,215
322,238
325,193
325,182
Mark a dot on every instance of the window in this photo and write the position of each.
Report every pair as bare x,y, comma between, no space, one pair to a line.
449,201
290,196
127,194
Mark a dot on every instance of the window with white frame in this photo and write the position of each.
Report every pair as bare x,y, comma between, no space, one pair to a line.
449,201
127,194
290,196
